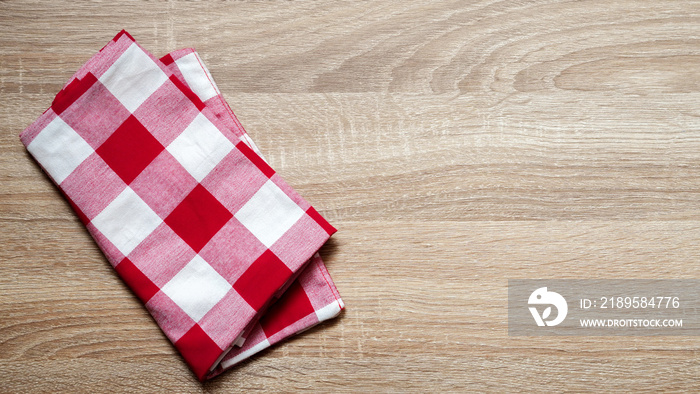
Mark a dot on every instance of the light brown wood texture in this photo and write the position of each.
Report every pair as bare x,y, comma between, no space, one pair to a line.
455,145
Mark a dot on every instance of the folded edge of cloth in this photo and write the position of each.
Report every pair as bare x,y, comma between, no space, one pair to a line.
193,220
305,302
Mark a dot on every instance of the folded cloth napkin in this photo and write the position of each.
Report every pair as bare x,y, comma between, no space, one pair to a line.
194,221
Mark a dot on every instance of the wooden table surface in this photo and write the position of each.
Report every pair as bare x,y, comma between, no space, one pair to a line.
454,144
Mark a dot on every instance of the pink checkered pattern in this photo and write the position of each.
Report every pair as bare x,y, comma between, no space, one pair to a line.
313,297
187,211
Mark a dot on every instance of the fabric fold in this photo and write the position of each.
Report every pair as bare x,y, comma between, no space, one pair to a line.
184,207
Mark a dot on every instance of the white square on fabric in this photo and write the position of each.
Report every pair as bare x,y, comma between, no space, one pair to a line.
127,221
197,288
59,149
269,214
200,147
328,312
197,77
133,78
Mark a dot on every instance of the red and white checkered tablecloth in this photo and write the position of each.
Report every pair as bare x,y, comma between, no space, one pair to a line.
219,248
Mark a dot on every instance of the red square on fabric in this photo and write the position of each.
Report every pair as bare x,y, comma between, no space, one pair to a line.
292,307
66,97
130,149
136,280
198,350
120,34
167,60
198,218
262,279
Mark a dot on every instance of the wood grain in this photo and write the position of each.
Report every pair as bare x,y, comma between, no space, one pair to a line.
455,144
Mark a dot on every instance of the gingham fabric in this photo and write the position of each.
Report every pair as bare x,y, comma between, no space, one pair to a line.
313,297
194,221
